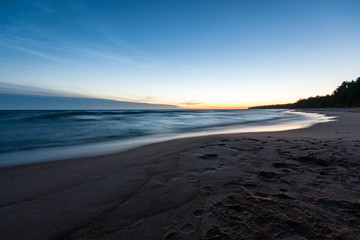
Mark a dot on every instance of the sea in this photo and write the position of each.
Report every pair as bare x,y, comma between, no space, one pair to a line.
43,135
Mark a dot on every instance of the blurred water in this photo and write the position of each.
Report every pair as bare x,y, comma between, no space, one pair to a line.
24,135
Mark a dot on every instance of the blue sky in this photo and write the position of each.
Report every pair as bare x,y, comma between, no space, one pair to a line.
198,54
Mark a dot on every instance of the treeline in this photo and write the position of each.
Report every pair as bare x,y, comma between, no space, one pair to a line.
346,95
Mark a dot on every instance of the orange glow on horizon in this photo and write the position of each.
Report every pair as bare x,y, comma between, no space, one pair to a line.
227,106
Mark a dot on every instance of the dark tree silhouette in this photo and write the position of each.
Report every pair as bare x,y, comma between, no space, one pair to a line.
346,95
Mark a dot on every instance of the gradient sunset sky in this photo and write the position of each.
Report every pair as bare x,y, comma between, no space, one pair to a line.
195,54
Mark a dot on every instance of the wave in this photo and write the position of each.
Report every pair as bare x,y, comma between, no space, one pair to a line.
24,130
33,136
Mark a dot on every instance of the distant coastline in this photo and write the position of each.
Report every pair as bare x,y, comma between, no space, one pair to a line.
346,95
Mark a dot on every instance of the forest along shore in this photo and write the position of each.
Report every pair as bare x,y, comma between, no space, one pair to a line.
298,184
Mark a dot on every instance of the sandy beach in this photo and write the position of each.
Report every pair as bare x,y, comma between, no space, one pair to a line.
298,184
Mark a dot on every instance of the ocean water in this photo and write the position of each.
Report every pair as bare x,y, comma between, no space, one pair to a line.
34,136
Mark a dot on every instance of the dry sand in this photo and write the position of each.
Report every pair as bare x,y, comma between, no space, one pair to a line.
299,184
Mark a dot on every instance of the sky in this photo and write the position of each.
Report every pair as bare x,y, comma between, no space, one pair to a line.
194,54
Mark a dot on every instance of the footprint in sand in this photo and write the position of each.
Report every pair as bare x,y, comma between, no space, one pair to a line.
198,213
250,184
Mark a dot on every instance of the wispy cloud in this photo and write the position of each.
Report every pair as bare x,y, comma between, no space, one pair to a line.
145,60
36,53
99,55
60,52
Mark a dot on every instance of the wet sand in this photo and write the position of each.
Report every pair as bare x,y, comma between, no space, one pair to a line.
298,184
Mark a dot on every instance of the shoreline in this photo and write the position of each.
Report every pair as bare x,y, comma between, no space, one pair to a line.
296,184
101,148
